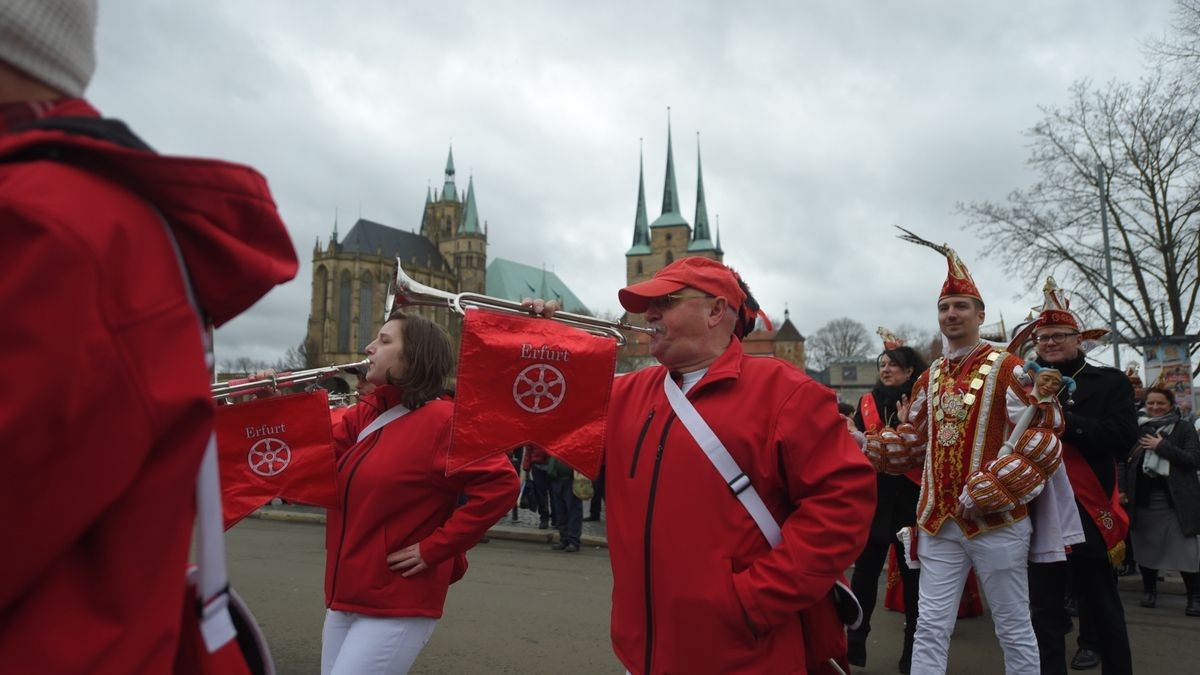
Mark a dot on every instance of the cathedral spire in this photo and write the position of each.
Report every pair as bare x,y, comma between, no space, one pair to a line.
670,204
641,231
335,215
470,223
701,240
449,189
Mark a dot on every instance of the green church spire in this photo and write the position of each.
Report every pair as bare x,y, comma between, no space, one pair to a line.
449,190
470,223
641,232
701,240
670,208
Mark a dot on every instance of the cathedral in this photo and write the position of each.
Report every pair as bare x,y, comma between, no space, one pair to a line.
670,237
350,276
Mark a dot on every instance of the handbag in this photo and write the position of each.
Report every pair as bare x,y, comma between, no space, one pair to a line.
528,499
582,487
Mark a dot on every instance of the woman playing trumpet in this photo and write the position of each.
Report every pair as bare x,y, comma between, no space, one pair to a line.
397,541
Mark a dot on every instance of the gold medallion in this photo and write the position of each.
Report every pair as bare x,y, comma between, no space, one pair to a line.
954,406
947,436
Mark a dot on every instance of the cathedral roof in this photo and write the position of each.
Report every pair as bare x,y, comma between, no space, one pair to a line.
369,237
514,281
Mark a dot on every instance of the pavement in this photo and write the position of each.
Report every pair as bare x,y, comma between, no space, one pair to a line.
526,609
519,525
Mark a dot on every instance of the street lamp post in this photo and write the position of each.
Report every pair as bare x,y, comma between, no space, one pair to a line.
1112,306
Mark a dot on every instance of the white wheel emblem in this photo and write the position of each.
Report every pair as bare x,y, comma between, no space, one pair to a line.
539,388
269,457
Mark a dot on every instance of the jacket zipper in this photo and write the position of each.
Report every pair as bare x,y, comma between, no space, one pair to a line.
637,449
662,440
337,561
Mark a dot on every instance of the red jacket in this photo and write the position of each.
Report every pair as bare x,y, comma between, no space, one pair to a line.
395,492
678,604
102,441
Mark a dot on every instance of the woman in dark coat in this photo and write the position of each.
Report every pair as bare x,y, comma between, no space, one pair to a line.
896,507
1165,494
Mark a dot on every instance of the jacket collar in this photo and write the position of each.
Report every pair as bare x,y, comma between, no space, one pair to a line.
728,366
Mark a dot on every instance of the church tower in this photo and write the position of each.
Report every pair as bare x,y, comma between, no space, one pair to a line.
669,237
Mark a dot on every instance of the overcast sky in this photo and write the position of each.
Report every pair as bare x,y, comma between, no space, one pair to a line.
822,124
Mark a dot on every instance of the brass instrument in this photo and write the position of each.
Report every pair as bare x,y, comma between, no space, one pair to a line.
407,291
247,385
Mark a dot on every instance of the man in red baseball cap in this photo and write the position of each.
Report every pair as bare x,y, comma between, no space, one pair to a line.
697,587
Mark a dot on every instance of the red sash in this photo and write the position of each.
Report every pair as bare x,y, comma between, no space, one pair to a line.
870,413
1104,509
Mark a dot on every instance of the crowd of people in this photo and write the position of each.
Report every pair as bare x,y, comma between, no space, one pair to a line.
982,460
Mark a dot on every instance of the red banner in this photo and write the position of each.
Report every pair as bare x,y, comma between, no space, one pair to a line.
530,381
275,447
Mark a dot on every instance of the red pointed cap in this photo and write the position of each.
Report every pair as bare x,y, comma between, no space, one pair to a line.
958,279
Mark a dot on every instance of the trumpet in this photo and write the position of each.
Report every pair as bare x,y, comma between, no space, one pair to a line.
247,385
407,291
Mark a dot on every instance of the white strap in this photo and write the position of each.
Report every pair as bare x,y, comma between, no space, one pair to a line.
390,415
212,579
724,463
213,583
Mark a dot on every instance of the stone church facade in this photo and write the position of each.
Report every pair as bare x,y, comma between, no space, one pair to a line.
351,275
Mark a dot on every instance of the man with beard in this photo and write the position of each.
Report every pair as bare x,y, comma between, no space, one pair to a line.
1101,429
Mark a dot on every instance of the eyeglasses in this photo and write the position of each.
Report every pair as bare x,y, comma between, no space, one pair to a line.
664,302
1056,338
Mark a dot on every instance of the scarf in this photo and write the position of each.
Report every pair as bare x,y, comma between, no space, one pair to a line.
1155,465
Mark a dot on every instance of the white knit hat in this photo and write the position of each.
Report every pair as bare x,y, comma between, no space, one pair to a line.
53,41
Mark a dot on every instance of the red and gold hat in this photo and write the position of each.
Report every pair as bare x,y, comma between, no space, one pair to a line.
890,339
1056,309
958,279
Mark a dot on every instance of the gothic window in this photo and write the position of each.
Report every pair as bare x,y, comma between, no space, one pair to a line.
639,268
366,310
343,323
670,256
321,292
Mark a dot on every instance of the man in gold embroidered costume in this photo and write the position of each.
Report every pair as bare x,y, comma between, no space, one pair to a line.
973,506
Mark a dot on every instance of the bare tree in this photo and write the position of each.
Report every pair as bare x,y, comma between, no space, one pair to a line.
839,339
1182,45
1146,136
920,339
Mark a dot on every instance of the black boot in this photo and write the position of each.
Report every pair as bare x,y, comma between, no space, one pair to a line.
1191,580
1149,587
856,651
905,665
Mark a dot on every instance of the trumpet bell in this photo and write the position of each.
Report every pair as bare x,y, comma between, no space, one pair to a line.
407,291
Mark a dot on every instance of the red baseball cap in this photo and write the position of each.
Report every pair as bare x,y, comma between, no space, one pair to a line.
702,274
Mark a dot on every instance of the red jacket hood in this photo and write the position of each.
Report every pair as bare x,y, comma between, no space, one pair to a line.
229,232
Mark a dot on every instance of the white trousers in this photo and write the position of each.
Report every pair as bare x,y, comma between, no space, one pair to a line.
1000,558
355,644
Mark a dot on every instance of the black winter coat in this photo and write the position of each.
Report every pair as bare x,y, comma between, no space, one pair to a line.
1102,425
1182,449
